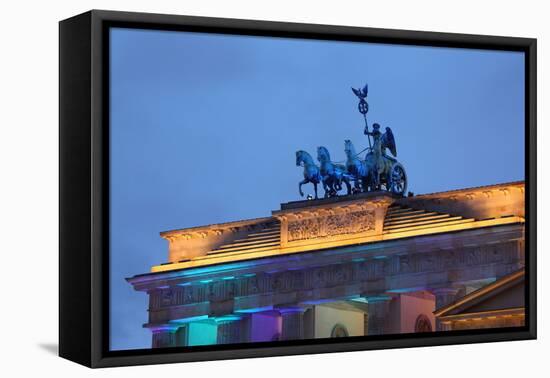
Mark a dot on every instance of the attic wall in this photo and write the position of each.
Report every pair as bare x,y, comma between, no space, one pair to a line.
480,204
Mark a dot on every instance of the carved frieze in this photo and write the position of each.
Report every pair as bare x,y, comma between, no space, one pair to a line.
331,225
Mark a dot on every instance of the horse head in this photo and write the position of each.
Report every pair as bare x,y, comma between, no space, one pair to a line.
322,154
303,157
349,149
298,158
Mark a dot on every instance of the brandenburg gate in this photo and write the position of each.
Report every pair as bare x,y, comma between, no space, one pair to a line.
364,264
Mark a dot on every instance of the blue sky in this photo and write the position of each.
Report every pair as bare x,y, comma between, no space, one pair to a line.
204,129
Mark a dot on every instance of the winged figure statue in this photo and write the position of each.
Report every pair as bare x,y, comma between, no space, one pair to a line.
388,141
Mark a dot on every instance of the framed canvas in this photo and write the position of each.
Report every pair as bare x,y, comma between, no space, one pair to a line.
236,188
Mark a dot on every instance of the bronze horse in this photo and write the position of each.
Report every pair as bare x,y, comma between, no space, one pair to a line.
311,171
333,174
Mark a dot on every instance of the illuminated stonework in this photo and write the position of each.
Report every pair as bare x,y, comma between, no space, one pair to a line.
374,262
331,225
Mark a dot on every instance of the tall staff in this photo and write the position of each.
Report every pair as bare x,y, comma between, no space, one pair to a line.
363,107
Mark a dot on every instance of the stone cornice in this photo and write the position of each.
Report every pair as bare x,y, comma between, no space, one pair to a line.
214,229
469,193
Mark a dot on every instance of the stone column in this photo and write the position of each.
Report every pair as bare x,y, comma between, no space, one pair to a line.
164,337
232,329
292,323
181,336
444,296
378,315
309,323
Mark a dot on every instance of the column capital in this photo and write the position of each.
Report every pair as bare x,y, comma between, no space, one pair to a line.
444,295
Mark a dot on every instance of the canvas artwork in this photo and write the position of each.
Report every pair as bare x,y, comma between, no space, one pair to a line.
269,190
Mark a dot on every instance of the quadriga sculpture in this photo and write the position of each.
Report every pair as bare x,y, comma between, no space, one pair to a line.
378,171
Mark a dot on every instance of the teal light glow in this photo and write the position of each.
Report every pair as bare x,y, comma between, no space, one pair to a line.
249,275
359,299
228,278
201,333
253,310
227,318
205,281
163,329
215,269
377,298
407,290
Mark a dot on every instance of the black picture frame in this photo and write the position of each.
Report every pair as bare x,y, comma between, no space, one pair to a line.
84,187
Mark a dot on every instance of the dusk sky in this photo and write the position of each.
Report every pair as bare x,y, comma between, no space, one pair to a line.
204,129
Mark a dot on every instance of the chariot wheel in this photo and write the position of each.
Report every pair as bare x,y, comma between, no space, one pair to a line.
398,179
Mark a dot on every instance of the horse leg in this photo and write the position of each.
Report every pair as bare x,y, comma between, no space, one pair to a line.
315,186
305,181
365,184
326,188
372,182
332,188
360,184
348,185
357,174
338,184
